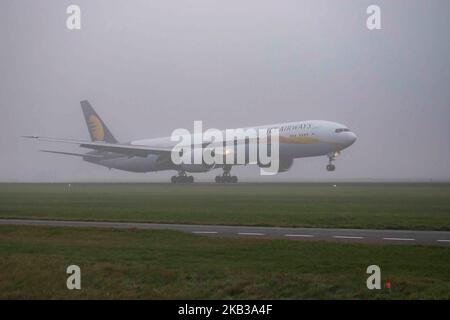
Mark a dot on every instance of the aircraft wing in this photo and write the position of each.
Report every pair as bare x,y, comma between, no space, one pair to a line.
125,149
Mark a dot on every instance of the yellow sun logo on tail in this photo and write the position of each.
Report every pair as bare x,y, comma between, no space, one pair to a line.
96,128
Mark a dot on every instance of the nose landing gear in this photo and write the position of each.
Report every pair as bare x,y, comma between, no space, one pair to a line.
182,178
331,157
226,177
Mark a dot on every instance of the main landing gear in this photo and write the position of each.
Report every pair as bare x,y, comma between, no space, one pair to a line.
182,178
331,157
226,177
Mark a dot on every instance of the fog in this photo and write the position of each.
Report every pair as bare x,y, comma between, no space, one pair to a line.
149,67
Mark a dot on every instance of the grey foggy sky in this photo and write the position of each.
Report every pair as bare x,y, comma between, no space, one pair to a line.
149,67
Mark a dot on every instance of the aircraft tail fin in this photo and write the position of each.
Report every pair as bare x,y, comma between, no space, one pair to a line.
97,128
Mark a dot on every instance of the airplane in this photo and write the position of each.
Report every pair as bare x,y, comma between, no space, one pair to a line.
300,139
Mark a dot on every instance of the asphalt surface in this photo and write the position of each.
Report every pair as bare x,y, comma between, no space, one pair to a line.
410,237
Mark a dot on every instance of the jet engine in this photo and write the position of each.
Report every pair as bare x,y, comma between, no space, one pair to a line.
195,167
285,164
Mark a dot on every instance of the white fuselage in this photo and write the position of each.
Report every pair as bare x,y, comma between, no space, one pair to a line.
297,140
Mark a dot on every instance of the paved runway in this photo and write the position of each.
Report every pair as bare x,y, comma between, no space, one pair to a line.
341,235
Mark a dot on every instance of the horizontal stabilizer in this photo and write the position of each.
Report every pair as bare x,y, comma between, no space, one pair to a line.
125,149
73,154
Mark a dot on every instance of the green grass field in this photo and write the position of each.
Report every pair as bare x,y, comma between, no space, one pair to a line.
394,206
171,265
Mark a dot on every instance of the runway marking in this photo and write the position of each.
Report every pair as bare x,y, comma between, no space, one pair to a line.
399,239
396,236
205,232
299,235
250,234
347,237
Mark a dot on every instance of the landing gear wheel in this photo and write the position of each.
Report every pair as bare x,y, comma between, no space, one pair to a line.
331,157
226,177
182,178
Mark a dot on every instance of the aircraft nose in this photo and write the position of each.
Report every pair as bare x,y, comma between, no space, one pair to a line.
351,138
346,139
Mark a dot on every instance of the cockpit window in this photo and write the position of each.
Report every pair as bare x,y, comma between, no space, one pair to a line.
341,130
